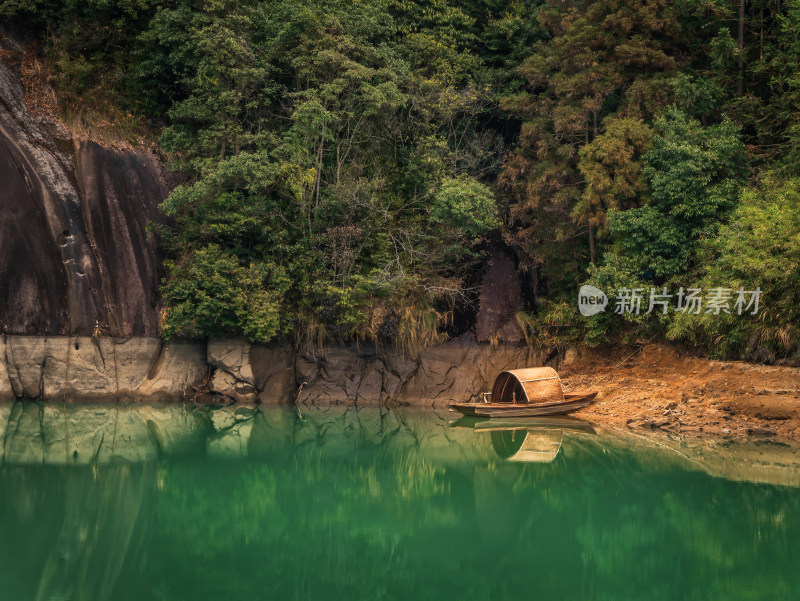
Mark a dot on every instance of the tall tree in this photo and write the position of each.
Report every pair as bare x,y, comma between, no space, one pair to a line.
611,166
606,58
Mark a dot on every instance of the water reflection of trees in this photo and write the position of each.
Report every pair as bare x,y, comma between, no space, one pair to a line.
350,504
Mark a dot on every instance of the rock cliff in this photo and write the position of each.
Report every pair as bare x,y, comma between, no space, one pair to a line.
458,370
75,256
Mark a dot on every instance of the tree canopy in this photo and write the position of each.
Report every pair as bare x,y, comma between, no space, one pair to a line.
347,166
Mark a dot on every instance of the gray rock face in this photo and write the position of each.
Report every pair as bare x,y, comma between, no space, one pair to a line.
74,252
274,373
120,192
107,369
177,369
24,362
74,368
461,370
457,370
250,373
234,374
6,391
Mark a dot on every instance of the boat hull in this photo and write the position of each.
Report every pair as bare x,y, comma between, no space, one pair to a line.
571,403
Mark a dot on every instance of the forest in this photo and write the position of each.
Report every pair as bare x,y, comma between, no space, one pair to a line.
347,167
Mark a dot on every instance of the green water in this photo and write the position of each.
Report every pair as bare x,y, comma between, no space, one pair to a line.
100,503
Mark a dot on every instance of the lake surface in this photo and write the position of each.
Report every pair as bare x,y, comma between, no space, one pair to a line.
174,503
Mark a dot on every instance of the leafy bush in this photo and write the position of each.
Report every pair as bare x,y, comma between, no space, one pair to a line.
614,275
755,249
211,294
462,211
693,175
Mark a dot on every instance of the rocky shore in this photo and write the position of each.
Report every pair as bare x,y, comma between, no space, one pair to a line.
225,371
662,388
657,388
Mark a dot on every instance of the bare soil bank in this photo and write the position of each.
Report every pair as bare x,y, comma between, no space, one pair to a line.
661,388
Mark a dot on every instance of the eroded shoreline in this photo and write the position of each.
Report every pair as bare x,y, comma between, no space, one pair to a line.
655,388
660,388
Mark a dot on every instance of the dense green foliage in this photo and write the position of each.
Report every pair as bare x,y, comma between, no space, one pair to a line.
348,165
758,244
693,175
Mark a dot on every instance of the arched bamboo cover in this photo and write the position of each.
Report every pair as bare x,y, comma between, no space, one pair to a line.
532,385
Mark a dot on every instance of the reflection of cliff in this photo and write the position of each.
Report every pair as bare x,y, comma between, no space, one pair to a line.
134,502
76,529
54,434
98,533
58,434
76,492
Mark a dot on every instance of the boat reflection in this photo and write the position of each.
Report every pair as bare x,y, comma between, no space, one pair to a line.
530,440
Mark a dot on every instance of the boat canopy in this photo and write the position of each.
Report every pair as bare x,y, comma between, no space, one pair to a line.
534,445
528,386
539,446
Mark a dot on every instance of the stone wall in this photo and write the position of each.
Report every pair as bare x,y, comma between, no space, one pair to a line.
103,369
224,371
457,370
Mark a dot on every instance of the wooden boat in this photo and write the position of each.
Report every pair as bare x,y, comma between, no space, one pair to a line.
572,402
531,392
